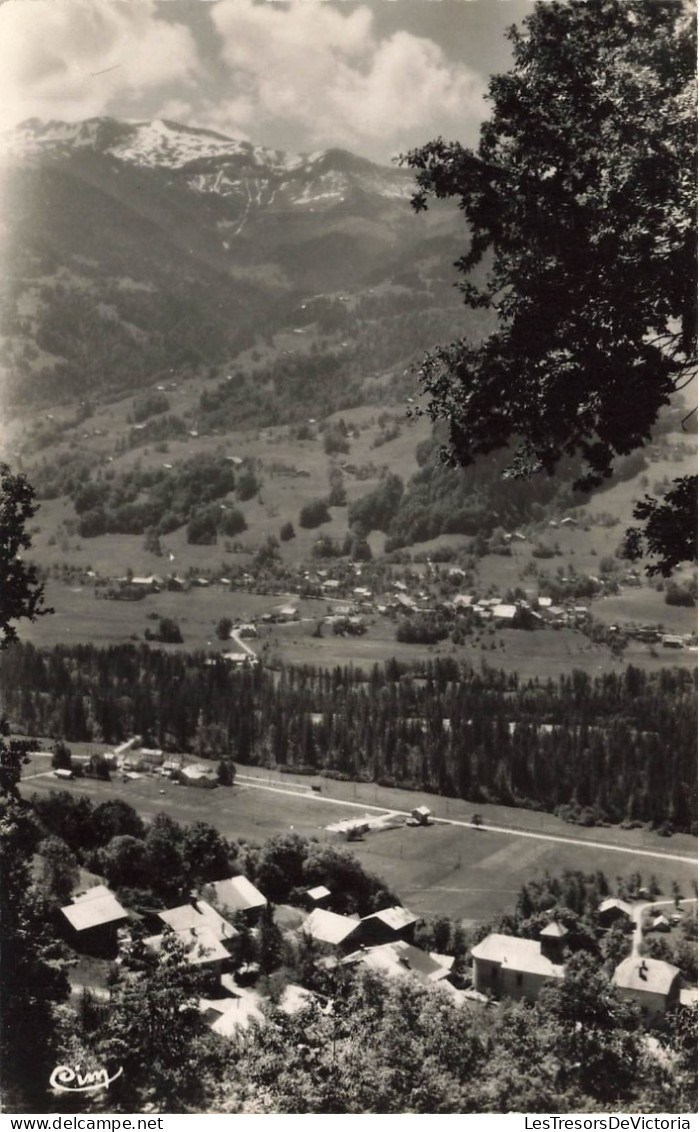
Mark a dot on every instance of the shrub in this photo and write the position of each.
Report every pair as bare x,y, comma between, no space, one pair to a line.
287,532
313,514
202,529
232,522
168,632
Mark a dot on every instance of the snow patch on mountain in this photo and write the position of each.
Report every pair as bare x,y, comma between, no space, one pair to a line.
211,162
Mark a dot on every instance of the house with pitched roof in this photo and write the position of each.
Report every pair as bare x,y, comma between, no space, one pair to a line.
388,926
317,897
652,983
202,947
612,911
400,959
330,930
506,966
238,894
93,920
199,914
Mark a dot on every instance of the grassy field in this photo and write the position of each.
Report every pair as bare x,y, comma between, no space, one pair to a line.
466,873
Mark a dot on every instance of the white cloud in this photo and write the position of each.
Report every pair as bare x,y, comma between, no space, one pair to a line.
328,74
299,75
71,59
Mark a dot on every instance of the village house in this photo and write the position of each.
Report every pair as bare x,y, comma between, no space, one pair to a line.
94,920
199,914
614,911
505,966
652,983
504,612
317,897
420,815
202,948
331,931
399,960
238,894
236,1012
198,774
388,926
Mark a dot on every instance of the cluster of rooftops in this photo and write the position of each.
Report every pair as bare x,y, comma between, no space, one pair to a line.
502,965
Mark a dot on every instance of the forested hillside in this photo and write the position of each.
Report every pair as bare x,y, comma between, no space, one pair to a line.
619,747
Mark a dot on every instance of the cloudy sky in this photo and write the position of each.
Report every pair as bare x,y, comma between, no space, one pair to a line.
374,76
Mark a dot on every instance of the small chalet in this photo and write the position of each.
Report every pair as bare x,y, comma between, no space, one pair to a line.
508,967
388,926
199,914
317,897
420,815
203,949
661,924
238,894
330,930
652,983
614,911
400,960
94,919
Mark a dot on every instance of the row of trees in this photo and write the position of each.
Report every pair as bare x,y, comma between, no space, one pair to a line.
619,747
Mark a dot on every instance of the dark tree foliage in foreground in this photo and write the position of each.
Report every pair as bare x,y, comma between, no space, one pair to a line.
581,203
21,592
32,971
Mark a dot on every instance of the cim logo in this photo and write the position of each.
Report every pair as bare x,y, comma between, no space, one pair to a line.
69,1079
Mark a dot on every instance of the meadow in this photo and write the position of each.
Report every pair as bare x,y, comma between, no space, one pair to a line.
470,874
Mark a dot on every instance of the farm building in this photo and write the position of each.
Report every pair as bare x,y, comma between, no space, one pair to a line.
197,774
228,1015
203,949
286,613
509,967
388,926
400,960
141,758
331,930
350,827
503,612
316,897
612,911
661,924
238,894
421,814
94,919
198,914
652,983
